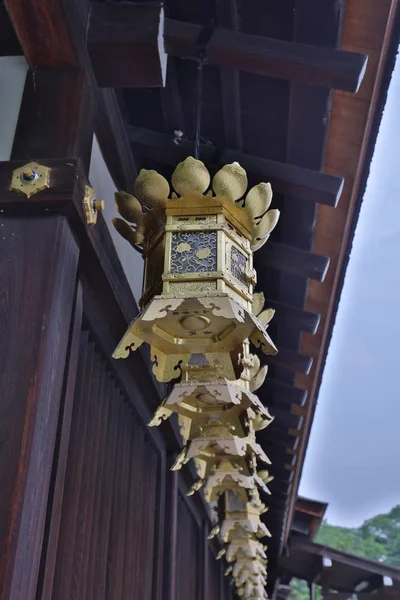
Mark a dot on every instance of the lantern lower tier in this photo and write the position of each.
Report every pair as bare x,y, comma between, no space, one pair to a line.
177,327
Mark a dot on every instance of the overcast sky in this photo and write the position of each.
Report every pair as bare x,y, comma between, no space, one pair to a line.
353,459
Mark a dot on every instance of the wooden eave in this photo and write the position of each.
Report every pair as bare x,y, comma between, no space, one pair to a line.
351,139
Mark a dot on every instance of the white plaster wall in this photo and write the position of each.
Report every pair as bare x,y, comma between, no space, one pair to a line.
101,181
13,71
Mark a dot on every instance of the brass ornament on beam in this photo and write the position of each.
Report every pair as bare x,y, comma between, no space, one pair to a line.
91,206
30,179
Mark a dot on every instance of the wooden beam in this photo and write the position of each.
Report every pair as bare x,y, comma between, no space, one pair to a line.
293,317
114,142
9,44
56,118
227,18
115,28
126,45
51,33
296,261
313,590
292,360
301,183
270,57
161,148
66,101
171,102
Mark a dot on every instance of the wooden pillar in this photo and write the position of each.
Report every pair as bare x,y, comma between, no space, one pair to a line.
38,267
313,590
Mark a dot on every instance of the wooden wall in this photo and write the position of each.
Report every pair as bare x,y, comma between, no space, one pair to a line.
89,506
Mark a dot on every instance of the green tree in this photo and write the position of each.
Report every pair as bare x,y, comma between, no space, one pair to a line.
300,590
384,530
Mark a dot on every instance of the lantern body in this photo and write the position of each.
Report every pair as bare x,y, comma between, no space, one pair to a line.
204,250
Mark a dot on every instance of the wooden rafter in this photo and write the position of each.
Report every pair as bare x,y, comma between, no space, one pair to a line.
285,178
227,18
270,57
283,393
292,360
303,184
296,261
293,317
118,32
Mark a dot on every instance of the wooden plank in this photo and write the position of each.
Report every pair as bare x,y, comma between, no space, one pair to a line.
285,178
56,118
296,261
103,532
126,46
115,544
171,530
227,18
67,567
45,588
160,527
103,449
51,32
86,488
38,268
271,57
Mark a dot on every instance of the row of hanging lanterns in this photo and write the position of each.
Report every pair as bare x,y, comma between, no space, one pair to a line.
200,315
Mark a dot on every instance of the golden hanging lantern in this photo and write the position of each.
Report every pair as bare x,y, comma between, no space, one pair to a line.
199,315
